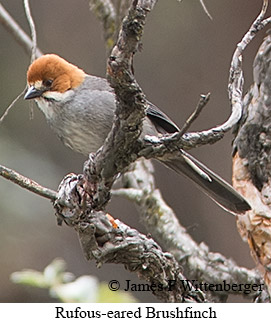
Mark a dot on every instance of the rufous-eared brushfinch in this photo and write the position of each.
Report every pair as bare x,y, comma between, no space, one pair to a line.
80,109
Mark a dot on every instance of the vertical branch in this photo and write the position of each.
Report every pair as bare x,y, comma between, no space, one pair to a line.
121,9
105,11
251,163
29,45
32,29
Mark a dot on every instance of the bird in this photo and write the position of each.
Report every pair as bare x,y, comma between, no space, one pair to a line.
80,109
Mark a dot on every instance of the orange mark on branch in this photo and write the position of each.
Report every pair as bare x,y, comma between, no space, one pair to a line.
112,221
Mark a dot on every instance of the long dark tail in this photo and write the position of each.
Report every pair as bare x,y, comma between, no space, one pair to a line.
210,183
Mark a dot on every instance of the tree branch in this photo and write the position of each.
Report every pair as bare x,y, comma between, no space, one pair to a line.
197,261
27,183
251,162
107,244
32,30
29,45
121,145
106,13
138,254
16,31
104,243
6,112
204,99
205,9
235,87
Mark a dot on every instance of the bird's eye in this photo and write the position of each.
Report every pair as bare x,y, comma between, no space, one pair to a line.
47,83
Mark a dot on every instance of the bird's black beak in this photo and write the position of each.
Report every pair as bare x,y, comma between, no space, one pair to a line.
33,93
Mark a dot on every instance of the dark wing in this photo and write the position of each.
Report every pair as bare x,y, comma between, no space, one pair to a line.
210,183
160,120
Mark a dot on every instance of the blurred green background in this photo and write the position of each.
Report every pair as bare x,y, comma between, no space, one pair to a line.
184,54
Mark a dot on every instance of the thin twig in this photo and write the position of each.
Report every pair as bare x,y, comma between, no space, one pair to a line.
205,9
32,29
30,46
204,99
11,105
17,32
27,183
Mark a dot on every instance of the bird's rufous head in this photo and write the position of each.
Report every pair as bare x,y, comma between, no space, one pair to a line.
52,73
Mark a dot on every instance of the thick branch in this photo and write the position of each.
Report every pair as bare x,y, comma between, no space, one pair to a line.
138,254
102,242
121,146
197,261
107,245
110,241
251,162
158,147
